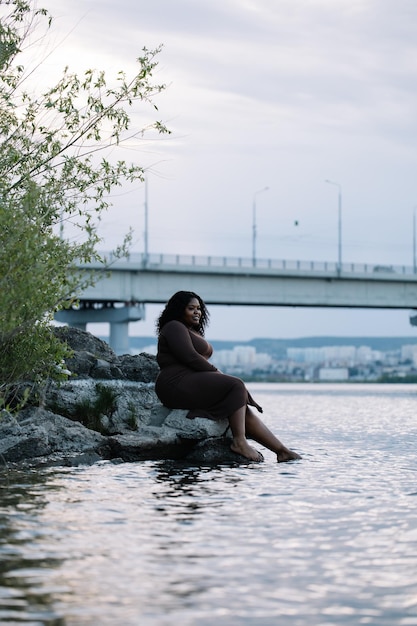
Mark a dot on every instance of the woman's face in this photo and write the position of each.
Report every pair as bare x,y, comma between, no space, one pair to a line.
192,313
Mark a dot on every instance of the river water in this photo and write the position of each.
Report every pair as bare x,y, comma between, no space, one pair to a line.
330,539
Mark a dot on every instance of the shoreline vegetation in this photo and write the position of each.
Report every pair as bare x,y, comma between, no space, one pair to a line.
65,147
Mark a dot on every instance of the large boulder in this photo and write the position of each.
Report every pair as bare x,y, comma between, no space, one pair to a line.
83,341
94,358
39,434
108,406
175,437
141,367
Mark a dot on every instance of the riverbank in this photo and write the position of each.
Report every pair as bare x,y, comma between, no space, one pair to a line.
107,409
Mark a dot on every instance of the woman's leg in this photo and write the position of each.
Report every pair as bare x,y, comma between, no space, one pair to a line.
258,431
239,444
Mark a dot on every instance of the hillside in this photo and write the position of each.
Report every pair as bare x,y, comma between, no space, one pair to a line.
277,347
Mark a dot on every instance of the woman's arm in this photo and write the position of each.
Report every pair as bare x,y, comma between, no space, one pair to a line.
181,347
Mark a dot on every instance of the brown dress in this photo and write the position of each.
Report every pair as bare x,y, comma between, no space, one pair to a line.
188,381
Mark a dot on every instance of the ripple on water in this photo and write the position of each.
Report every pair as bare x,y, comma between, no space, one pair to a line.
328,540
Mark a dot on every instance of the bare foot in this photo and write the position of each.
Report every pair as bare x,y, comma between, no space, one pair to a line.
244,449
287,455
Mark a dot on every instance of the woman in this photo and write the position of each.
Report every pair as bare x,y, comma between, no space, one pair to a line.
188,381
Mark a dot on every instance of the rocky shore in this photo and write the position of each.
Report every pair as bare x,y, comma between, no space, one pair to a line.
107,409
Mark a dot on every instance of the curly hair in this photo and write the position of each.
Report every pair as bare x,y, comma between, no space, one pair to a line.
175,307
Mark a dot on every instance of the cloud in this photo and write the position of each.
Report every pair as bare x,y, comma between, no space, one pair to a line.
345,67
284,93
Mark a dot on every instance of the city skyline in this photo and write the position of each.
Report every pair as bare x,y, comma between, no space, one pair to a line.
337,362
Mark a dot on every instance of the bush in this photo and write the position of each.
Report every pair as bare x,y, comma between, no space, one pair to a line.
55,165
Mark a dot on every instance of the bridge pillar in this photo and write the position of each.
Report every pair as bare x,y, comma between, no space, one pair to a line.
118,315
119,337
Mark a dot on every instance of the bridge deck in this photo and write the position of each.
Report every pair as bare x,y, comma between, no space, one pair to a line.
225,265
270,282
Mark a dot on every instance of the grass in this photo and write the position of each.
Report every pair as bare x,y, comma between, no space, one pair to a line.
90,411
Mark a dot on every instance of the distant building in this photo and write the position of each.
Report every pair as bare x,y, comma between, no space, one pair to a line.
305,355
365,354
409,352
333,374
333,356
241,359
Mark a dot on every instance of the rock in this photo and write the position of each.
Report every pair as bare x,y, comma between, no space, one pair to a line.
108,410
109,406
103,370
142,367
82,341
175,438
215,451
197,428
158,414
38,433
81,364
93,358
151,443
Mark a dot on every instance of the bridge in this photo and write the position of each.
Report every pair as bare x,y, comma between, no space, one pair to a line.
125,286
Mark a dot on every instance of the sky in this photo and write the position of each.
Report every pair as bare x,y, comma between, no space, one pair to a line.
283,94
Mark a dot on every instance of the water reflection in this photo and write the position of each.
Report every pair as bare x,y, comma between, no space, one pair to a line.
194,489
23,595
331,540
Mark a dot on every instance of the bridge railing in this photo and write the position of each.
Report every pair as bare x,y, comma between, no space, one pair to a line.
153,261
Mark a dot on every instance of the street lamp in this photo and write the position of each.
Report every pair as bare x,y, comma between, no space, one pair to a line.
254,224
145,234
339,263
414,241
